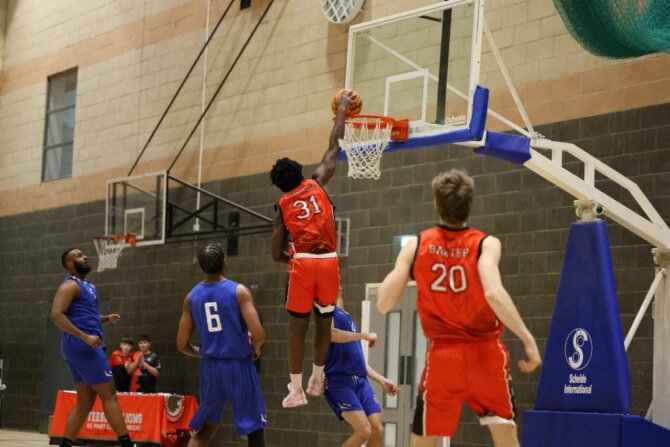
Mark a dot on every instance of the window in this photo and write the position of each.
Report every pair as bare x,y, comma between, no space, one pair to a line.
59,125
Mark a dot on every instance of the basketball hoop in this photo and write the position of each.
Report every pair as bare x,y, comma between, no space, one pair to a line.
109,248
366,137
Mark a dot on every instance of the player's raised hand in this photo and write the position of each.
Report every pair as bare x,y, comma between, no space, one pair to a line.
114,318
372,339
343,100
389,387
534,360
93,341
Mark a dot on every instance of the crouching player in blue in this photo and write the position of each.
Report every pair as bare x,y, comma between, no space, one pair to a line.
75,312
221,311
348,391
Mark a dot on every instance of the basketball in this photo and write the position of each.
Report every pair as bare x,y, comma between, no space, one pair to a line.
355,106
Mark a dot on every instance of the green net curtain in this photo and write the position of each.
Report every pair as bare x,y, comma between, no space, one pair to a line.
618,28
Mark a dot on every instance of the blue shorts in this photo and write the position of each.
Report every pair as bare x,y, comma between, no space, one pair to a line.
87,364
235,380
351,393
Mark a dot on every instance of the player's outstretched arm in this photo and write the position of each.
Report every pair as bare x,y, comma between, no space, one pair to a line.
111,318
340,336
395,282
389,387
66,293
184,332
326,169
502,303
279,239
246,302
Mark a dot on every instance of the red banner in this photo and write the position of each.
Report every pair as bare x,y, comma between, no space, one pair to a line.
150,418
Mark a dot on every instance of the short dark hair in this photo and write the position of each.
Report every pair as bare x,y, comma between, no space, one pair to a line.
143,337
63,258
127,339
286,174
454,191
212,258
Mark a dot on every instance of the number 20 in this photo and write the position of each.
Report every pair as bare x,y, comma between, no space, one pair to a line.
445,271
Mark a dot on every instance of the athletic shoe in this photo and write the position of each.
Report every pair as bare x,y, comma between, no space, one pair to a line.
294,398
316,386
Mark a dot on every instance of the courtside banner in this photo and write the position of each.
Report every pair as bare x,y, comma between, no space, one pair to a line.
149,417
585,366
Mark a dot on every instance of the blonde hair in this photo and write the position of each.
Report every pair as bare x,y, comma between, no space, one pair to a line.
454,191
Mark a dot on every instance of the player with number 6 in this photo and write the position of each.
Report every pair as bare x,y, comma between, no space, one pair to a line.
223,314
304,218
463,308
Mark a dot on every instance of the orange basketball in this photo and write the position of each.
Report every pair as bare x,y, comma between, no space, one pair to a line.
355,106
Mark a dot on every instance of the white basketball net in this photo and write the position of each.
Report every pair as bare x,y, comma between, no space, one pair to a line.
365,139
109,250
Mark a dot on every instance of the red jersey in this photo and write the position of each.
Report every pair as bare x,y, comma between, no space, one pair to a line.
137,372
451,301
118,359
309,217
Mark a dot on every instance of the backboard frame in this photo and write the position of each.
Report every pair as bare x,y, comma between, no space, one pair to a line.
141,241
420,127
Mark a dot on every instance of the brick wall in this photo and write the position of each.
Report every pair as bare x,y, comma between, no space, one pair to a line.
132,55
530,216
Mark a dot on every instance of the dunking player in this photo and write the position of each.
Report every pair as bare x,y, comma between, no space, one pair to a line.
348,391
75,312
221,311
463,306
305,213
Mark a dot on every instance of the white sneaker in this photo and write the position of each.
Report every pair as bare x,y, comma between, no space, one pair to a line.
294,398
316,386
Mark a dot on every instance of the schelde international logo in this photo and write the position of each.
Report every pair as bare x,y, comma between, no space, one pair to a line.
578,349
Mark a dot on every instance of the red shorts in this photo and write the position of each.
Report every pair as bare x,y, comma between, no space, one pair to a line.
314,282
475,372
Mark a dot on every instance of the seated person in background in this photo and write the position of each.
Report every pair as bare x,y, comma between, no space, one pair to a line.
149,368
348,391
118,361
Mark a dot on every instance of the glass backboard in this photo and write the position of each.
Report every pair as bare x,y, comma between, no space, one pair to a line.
422,64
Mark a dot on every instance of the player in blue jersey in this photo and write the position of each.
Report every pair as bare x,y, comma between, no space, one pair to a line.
348,391
75,312
223,314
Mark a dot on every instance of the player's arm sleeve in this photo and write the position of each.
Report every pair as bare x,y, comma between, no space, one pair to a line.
494,291
184,332
279,239
65,295
395,282
250,315
326,169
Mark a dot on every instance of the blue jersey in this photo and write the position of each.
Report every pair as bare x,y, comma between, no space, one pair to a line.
83,311
345,358
216,314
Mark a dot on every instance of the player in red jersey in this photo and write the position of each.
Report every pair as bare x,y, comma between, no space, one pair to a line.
305,219
463,307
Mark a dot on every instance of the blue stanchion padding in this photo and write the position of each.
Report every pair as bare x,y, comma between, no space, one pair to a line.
585,365
563,429
474,132
571,429
512,148
638,432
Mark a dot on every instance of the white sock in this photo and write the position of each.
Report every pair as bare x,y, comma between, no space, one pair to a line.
317,371
296,381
